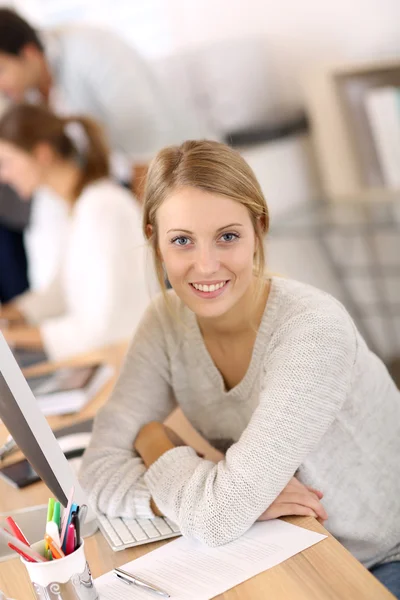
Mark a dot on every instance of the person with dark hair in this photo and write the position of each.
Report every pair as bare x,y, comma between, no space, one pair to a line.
14,217
13,264
16,33
88,71
84,70
100,290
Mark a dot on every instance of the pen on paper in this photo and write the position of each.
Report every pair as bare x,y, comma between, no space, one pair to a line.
132,579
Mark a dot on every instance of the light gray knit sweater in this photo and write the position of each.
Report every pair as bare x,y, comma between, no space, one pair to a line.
314,401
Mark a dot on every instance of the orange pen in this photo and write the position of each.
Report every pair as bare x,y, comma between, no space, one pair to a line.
55,550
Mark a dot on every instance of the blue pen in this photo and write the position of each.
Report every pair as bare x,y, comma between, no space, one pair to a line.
74,508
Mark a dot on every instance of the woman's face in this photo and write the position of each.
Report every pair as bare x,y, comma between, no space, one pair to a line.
207,243
19,169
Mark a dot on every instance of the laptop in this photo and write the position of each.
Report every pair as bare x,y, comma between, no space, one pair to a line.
21,415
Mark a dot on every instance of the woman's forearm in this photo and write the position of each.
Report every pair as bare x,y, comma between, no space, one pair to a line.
152,442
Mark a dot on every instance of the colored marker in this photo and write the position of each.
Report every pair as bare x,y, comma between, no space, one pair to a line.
74,508
21,546
55,549
53,531
23,554
50,509
70,543
57,515
76,523
66,514
15,530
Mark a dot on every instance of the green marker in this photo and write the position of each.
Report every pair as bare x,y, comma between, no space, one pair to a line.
50,509
57,514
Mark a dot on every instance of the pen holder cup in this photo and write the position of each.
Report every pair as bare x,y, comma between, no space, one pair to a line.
67,578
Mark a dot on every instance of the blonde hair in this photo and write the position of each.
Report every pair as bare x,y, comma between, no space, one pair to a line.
212,167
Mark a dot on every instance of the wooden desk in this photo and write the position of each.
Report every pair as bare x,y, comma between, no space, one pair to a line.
325,571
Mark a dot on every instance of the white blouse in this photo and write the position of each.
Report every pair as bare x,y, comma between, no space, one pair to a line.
105,278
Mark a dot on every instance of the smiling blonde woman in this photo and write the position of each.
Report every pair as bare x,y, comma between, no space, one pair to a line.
270,371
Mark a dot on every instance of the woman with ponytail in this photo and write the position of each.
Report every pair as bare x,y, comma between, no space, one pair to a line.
100,290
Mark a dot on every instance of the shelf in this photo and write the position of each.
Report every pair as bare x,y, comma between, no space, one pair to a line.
268,133
344,147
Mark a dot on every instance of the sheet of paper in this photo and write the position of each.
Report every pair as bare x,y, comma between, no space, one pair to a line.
188,570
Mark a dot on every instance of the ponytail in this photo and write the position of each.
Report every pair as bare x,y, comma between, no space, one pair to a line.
91,150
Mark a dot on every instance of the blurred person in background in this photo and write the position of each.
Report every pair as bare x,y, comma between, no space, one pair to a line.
83,70
89,71
100,291
14,216
13,263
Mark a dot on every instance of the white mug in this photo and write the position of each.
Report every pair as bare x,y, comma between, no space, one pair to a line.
67,578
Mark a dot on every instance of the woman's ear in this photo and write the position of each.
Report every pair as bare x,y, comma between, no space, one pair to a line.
261,223
149,231
259,231
149,234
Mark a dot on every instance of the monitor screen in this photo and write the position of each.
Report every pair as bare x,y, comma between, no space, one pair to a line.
21,415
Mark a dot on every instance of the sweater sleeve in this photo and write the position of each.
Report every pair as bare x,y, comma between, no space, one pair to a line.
42,304
112,472
306,380
100,289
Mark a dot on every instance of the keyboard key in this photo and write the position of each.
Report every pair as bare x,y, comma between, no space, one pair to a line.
162,526
122,531
135,530
130,532
147,525
173,526
110,531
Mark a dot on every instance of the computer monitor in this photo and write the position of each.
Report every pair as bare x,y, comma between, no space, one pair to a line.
21,415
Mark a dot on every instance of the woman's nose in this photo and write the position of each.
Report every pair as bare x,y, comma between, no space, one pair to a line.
207,261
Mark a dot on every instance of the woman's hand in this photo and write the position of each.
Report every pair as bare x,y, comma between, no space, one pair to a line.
296,499
24,337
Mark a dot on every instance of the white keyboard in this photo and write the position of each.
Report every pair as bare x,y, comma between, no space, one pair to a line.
125,533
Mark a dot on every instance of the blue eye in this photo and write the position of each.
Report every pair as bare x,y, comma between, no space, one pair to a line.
229,237
181,241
